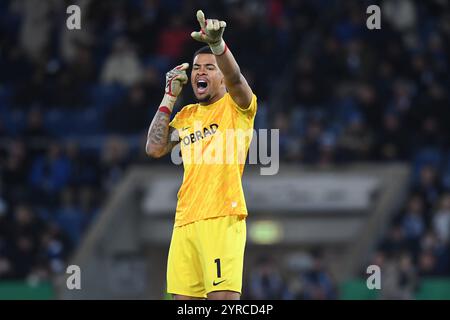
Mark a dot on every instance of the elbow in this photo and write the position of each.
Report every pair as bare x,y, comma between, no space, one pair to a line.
235,79
153,151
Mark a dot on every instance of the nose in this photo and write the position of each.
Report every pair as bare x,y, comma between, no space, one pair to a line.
200,74
202,70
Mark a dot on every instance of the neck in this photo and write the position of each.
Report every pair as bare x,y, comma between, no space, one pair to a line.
213,99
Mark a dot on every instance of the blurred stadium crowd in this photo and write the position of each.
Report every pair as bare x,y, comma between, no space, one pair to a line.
75,107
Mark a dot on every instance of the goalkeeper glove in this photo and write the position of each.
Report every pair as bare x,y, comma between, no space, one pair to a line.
211,31
175,80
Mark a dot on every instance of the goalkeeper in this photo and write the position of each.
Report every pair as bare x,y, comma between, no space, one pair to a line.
206,252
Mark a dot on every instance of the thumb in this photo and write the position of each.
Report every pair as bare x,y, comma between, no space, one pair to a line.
199,36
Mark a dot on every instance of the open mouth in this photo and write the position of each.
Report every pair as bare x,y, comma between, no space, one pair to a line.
201,86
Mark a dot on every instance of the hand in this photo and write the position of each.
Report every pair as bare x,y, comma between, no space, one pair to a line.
211,32
176,79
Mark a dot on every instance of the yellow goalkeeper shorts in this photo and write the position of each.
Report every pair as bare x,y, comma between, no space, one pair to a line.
206,256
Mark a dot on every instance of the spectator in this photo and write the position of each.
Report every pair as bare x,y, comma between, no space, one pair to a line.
53,250
285,144
356,141
49,175
173,38
122,66
36,27
146,20
35,134
71,40
6,267
401,14
408,280
368,100
327,157
390,280
319,284
296,266
393,141
3,211
429,186
427,264
413,223
69,217
265,282
431,243
113,162
399,278
441,220
430,135
311,143
308,89
25,232
15,171
23,256
394,242
130,116
2,129
83,166
151,86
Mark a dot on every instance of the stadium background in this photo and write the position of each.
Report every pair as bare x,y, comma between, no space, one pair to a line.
75,107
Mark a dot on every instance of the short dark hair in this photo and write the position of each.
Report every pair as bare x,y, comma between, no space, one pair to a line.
205,49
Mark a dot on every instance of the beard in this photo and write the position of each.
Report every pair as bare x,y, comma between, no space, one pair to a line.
205,99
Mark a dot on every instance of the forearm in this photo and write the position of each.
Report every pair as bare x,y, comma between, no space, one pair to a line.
235,82
158,137
229,67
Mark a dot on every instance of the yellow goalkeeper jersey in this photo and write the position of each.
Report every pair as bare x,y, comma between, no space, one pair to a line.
214,142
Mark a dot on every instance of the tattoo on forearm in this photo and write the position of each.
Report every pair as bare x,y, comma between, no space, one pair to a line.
159,130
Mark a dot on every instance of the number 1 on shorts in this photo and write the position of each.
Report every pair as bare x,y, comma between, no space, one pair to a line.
217,261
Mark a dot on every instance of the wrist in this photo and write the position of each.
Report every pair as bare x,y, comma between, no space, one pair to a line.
167,103
218,48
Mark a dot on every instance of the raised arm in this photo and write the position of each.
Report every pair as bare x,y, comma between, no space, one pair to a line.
161,138
211,32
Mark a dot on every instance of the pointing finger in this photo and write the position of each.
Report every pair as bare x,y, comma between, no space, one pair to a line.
183,66
201,19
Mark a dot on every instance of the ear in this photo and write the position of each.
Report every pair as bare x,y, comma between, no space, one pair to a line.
222,82
222,78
